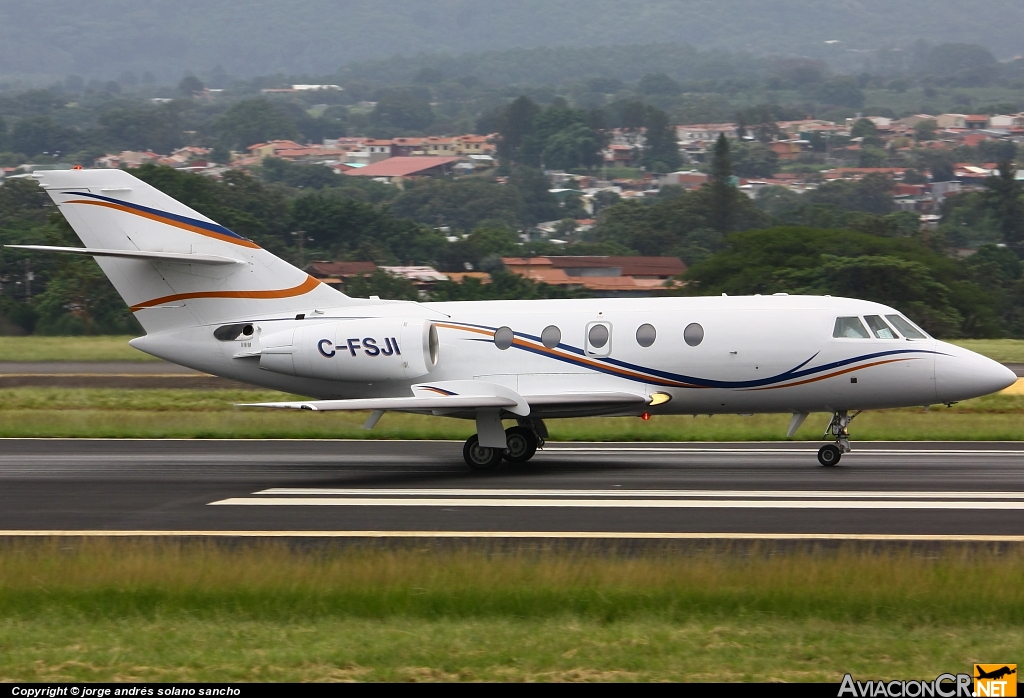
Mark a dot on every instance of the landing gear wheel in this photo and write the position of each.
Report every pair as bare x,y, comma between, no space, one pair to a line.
522,444
829,455
480,457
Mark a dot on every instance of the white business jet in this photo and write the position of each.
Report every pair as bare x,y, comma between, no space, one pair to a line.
214,301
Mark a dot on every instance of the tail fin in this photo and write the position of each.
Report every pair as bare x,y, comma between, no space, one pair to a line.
112,210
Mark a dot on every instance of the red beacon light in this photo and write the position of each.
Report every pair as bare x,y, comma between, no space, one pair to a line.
645,416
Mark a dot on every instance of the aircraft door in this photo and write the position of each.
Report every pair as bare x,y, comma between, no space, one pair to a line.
597,339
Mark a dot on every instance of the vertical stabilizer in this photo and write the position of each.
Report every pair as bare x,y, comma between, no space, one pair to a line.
113,210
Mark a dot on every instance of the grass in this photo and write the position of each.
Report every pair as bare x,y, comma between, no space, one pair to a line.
37,348
1004,350
103,348
143,610
183,413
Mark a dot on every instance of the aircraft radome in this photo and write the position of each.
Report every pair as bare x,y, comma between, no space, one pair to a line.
214,301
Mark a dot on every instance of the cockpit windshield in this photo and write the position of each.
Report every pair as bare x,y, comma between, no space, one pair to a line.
879,328
909,330
850,328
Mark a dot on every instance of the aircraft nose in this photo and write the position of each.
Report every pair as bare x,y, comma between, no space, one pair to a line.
961,374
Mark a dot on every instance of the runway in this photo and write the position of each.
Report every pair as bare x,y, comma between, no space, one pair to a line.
405,488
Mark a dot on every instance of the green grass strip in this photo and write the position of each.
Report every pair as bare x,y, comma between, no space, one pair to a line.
161,610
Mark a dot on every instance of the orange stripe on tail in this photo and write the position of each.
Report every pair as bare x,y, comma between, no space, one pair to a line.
305,287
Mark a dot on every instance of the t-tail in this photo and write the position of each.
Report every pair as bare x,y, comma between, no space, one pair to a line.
173,266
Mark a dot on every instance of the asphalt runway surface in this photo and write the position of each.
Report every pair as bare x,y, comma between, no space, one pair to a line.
572,490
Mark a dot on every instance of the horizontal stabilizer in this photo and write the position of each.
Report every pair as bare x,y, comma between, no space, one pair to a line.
179,257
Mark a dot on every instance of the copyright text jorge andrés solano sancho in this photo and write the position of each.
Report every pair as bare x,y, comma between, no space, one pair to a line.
113,692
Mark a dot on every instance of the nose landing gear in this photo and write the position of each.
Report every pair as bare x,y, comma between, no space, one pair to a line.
839,429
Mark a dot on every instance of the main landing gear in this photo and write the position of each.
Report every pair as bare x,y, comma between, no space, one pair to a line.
521,443
839,429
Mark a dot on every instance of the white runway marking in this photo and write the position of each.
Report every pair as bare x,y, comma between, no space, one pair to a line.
733,494
610,503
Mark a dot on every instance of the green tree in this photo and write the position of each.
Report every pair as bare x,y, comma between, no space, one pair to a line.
157,128
930,287
516,123
723,193
190,86
1003,195
754,160
462,204
925,129
661,151
403,111
863,128
573,147
252,121
760,121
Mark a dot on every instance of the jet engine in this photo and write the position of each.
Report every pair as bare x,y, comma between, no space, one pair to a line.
366,349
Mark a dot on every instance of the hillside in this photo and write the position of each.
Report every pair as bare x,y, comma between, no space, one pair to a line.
53,38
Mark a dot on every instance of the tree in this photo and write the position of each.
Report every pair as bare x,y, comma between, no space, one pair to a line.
572,147
190,86
760,121
659,84
516,123
252,121
157,128
863,128
924,130
755,160
462,204
902,272
661,150
723,193
36,135
1003,195
404,111
841,92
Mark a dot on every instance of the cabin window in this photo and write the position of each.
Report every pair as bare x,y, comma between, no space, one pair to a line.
850,328
645,335
693,334
879,328
904,325
598,336
551,336
503,337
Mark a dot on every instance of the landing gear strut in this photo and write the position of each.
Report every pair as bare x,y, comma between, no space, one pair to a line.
839,429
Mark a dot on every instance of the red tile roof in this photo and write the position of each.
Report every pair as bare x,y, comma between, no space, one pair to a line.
401,167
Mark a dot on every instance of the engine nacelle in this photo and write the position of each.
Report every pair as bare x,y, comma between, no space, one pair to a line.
370,349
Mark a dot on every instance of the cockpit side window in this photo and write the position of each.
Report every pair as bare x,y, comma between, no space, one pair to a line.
850,328
879,328
903,325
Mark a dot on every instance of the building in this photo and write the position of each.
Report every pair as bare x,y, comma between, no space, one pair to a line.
608,276
335,273
951,120
394,170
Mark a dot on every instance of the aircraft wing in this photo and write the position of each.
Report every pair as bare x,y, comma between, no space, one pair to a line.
436,402
443,397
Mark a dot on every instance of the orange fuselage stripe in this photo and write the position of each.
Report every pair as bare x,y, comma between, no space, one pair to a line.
305,287
167,221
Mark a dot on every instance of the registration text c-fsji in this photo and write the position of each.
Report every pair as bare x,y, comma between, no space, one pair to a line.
944,686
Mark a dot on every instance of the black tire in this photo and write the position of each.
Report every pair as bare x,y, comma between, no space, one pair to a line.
522,444
480,457
829,455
